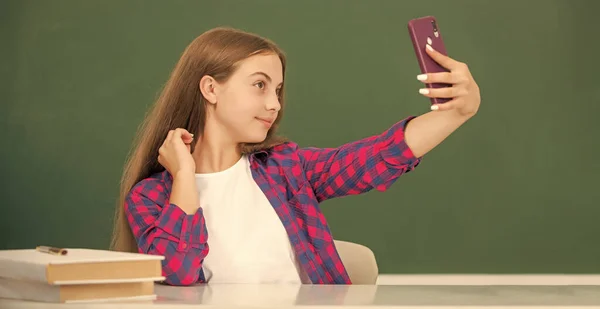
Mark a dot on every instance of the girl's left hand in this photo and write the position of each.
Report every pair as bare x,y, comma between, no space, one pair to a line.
464,89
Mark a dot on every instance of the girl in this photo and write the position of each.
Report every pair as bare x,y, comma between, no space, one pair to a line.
211,187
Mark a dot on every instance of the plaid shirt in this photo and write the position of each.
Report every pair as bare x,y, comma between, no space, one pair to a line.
295,180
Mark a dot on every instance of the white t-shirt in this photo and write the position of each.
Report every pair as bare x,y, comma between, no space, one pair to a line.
247,241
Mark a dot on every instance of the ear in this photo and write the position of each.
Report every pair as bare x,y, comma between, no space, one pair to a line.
208,87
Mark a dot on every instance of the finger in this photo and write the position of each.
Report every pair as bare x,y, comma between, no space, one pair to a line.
169,136
442,59
183,134
445,106
188,138
443,78
159,159
446,92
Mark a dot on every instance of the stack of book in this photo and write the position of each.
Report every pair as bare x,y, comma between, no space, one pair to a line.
78,275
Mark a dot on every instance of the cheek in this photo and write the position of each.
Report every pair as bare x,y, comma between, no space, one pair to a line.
240,108
246,104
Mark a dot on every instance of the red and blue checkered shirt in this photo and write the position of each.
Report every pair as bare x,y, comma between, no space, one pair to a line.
295,180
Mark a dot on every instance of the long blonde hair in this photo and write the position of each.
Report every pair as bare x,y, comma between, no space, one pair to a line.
181,105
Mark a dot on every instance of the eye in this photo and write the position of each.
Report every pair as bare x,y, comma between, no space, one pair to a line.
260,85
278,92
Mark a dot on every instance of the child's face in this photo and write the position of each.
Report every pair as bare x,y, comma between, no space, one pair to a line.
248,103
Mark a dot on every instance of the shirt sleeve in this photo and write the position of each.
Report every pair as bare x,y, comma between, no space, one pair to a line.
162,228
358,167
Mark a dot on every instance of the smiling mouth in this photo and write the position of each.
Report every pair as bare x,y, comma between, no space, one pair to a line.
265,122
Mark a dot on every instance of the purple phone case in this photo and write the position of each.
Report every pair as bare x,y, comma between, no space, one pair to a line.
420,29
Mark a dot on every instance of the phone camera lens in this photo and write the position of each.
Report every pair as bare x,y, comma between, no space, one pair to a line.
434,25
435,29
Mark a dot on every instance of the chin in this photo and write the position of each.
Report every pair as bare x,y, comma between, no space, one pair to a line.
255,138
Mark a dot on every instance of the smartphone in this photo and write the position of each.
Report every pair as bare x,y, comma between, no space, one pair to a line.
425,30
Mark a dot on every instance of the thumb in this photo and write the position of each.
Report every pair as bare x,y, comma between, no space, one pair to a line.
187,137
183,134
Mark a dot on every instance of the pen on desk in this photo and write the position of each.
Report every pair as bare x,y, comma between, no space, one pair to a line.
51,250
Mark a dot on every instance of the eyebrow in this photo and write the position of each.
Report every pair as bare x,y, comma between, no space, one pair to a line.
265,75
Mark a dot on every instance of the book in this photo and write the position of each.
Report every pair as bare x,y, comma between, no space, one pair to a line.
80,266
76,293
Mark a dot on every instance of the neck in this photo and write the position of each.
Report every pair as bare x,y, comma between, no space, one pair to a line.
213,153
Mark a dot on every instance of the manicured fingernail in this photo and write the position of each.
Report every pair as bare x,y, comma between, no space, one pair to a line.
434,107
423,91
422,77
192,134
429,47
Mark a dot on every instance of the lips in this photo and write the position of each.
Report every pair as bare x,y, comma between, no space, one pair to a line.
266,121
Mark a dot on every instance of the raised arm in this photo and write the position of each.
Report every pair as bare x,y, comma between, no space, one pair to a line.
358,167
377,161
427,131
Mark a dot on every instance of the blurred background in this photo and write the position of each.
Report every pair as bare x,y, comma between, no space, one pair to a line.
515,190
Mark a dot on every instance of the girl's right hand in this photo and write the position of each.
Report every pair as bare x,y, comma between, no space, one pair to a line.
175,153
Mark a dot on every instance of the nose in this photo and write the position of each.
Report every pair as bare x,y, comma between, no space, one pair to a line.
273,103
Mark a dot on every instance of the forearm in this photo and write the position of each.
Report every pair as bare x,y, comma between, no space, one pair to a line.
184,193
161,227
425,132
180,267
374,162
180,238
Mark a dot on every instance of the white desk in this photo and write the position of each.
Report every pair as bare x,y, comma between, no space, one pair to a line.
353,296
